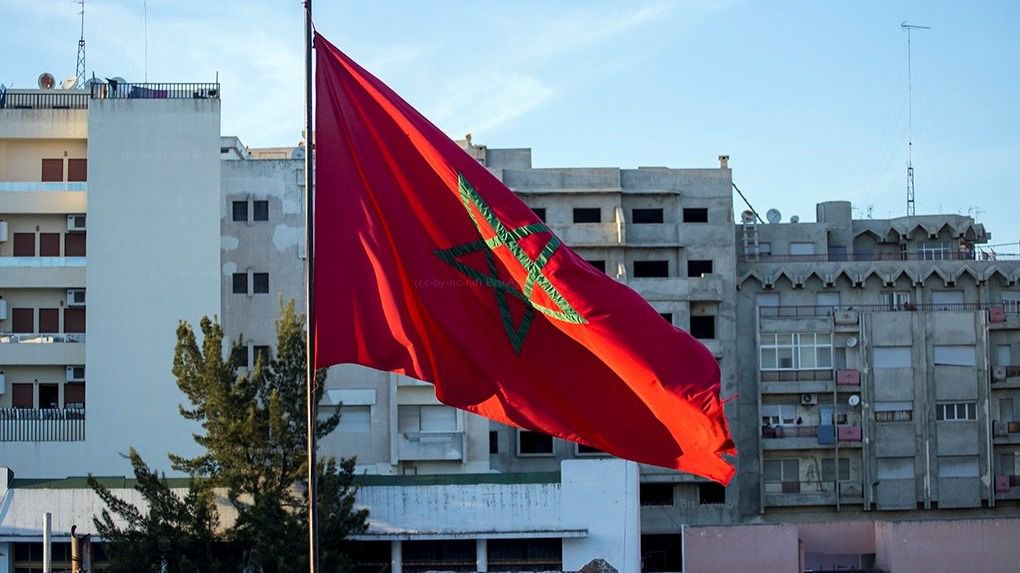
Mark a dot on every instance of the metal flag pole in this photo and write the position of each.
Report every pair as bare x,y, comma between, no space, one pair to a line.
313,516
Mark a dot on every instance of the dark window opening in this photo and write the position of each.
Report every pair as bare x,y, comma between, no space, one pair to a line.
77,170
240,211
260,210
240,283
49,320
261,353
539,212
667,316
74,320
660,553
587,215
584,450
49,396
711,493
697,268
493,442
22,320
696,215
368,556
240,356
642,216
74,395
49,244
24,244
421,556
651,269
534,443
74,244
599,264
525,555
22,396
52,170
703,327
260,283
656,494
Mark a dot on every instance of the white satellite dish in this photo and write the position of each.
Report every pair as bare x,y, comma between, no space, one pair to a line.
854,400
851,342
794,219
47,81
69,83
774,216
747,216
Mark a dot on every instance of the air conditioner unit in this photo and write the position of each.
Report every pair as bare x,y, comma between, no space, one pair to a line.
999,373
808,399
3,309
75,297
75,373
76,222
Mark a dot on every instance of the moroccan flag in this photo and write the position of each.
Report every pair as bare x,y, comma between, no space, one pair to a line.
427,265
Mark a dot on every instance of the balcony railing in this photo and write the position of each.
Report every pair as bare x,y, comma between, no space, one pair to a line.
424,446
8,338
822,311
796,375
43,186
43,262
42,425
879,257
122,90
44,99
780,432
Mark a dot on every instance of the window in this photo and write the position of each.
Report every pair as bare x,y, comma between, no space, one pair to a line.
49,320
796,351
698,268
661,553
355,419
260,210
519,555
49,396
651,269
599,264
827,299
22,320
540,213
74,395
711,494
240,211
933,250
828,469
1003,355
767,299
74,320
947,299
260,283
955,356
778,414
895,468
240,355
240,283
892,357
23,395
1011,300
74,244
24,244
49,244
493,442
667,316
587,215
764,249
77,169
534,443
696,215
261,352
656,494
894,411
802,249
52,170
426,419
703,327
780,470
956,411
896,299
958,467
643,216
583,450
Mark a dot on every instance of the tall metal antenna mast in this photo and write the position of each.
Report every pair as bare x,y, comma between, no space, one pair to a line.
79,77
910,121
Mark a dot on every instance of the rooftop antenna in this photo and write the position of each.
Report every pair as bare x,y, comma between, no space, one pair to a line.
145,13
79,76
910,138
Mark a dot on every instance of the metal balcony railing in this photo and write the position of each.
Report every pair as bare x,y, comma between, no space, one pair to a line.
44,99
122,90
880,257
8,338
42,425
816,375
822,311
780,432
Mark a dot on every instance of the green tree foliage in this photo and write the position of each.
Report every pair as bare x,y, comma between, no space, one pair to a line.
254,437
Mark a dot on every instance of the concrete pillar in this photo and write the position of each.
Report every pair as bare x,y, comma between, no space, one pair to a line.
482,555
396,556
47,548
5,556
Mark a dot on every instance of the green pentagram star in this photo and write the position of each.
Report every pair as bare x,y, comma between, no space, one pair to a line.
510,238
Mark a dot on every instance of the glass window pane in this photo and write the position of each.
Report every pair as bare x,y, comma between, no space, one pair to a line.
824,357
784,339
768,359
785,358
807,357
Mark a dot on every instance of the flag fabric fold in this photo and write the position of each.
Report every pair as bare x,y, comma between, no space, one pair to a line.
426,264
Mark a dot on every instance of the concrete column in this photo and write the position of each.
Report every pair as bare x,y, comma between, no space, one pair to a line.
47,549
5,556
482,555
396,556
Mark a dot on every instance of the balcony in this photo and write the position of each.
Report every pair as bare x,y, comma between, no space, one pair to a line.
42,425
837,311
796,381
43,272
42,349
870,256
1005,377
808,493
588,234
1007,487
706,288
42,186
1005,432
431,446
809,437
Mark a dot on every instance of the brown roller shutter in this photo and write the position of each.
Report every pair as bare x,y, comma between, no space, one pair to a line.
24,244
74,320
74,394
49,244
52,169
22,320
49,320
77,170
22,396
74,244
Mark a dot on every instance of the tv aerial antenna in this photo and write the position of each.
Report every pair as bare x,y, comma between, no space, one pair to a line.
910,115
79,76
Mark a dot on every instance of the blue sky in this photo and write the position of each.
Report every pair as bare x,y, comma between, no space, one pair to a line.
807,97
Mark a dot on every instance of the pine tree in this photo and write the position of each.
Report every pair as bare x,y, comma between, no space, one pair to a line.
254,437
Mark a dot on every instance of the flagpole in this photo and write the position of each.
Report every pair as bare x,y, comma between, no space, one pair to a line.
313,514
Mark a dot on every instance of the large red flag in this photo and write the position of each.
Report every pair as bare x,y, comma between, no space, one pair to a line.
427,265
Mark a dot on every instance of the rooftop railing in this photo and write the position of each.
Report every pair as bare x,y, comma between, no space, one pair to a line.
42,425
871,256
44,99
823,311
122,90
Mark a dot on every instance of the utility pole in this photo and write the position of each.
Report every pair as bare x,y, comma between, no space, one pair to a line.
910,118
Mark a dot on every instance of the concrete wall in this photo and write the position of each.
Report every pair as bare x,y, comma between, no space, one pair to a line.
987,545
760,548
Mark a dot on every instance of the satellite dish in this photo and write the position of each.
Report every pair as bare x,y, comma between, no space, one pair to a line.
854,400
747,216
118,79
69,83
46,81
774,216
795,219
851,342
